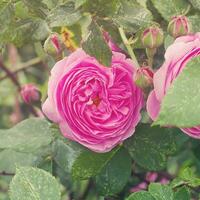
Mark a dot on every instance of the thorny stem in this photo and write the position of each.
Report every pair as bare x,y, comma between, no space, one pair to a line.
128,46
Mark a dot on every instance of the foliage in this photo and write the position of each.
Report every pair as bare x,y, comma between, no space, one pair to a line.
37,162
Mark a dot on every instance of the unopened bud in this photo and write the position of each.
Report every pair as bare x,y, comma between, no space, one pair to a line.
30,94
151,176
53,45
179,26
152,37
144,77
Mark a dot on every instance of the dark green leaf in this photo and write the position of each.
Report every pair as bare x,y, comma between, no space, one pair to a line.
65,153
182,194
96,46
89,164
34,184
115,174
150,146
176,106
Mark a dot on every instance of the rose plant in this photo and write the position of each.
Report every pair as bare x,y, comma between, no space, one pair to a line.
99,100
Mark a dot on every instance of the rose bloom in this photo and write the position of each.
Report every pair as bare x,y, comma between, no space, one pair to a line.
176,58
94,105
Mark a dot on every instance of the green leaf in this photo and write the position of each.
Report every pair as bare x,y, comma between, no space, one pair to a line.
182,194
37,8
195,3
34,184
24,31
27,136
161,192
6,13
188,175
95,45
79,3
102,8
142,195
194,20
133,17
64,15
11,159
150,146
176,105
168,41
89,163
171,8
65,153
115,174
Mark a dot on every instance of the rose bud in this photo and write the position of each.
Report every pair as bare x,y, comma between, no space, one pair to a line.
30,94
144,77
139,187
152,37
178,26
53,45
151,176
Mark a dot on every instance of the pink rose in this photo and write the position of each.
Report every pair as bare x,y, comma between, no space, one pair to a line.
176,57
94,105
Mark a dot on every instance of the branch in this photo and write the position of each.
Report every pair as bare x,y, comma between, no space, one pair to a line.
24,66
10,75
6,174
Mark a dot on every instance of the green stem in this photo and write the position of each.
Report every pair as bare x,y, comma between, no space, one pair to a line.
128,46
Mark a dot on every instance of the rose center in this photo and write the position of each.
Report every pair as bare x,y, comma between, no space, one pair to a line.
96,100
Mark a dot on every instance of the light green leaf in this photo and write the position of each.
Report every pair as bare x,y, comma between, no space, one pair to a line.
64,15
133,17
168,41
161,192
11,159
27,136
194,20
171,8
96,46
115,174
102,8
142,195
150,146
176,109
79,3
195,3
34,184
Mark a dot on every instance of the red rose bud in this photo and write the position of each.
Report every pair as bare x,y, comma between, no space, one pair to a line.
179,26
144,77
152,37
30,94
53,45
